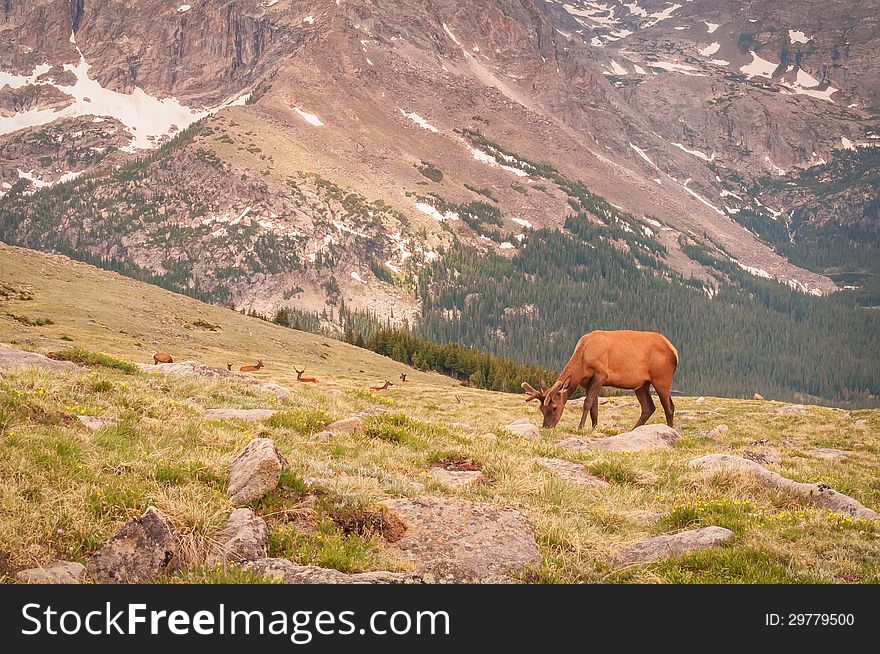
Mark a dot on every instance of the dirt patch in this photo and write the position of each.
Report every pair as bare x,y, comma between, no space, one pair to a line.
458,464
379,522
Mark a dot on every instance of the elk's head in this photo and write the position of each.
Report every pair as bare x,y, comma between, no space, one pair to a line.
259,364
551,400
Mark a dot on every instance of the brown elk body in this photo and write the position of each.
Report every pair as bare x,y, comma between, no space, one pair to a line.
300,378
252,368
162,357
383,387
621,359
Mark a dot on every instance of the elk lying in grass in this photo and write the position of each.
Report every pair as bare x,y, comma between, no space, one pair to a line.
383,387
229,366
621,359
300,378
162,357
403,376
252,368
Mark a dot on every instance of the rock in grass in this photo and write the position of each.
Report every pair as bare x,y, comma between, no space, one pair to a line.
140,551
644,438
288,572
189,369
455,478
820,495
12,358
353,425
60,572
792,410
719,431
829,453
255,471
459,541
95,423
573,472
523,428
243,538
660,547
238,414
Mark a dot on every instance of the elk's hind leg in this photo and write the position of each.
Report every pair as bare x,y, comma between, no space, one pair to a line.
667,403
643,393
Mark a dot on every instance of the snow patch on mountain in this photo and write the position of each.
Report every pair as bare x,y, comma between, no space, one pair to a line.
311,119
421,122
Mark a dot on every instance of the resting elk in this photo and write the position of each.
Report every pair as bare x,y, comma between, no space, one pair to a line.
621,359
300,378
403,376
252,368
162,357
229,366
383,387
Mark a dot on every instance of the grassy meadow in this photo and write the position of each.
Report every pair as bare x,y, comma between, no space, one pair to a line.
65,489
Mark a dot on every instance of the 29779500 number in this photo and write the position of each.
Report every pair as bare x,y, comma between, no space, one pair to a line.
809,619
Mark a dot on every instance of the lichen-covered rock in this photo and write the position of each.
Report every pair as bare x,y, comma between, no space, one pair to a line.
820,495
95,423
459,541
288,572
573,472
189,369
455,478
60,572
353,425
829,453
255,471
243,538
140,551
644,438
660,547
719,431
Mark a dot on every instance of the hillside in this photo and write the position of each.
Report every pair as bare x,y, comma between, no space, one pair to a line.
83,450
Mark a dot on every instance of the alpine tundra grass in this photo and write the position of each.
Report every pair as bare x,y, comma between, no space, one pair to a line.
65,489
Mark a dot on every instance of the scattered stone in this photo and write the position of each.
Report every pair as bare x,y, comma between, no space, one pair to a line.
820,494
524,428
647,518
12,358
374,411
764,456
322,436
255,471
288,572
829,453
189,368
461,541
644,438
758,396
141,550
238,414
455,478
60,572
719,431
353,425
792,410
95,423
489,436
861,422
274,389
660,547
243,538
573,472
700,400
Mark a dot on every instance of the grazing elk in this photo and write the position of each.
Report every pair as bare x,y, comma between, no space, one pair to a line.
403,376
252,368
162,357
300,378
622,359
383,387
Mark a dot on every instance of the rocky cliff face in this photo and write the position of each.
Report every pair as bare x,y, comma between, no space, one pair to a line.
689,118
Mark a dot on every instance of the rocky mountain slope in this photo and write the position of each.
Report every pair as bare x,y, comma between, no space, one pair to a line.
343,146
118,470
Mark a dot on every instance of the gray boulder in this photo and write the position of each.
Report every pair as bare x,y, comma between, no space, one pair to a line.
454,478
94,423
644,438
238,414
459,541
255,471
660,547
573,472
792,410
140,551
353,425
523,428
820,495
12,358
243,538
287,572
60,572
